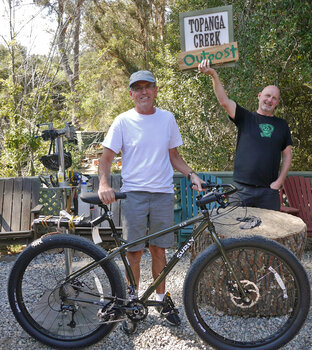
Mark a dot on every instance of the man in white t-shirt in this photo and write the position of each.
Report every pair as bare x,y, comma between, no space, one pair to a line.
148,138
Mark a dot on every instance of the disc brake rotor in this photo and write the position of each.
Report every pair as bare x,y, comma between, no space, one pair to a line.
251,290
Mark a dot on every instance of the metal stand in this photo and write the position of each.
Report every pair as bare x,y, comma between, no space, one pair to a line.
58,135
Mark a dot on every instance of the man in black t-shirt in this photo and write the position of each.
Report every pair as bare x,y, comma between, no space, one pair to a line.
262,141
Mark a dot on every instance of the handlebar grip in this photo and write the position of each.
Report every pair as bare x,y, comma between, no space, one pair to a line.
211,197
93,198
120,195
205,185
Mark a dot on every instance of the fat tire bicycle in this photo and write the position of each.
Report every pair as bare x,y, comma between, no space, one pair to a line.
252,284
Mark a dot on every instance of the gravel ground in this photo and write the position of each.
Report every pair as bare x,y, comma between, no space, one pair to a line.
152,333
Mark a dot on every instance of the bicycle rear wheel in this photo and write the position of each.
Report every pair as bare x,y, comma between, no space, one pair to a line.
60,314
273,279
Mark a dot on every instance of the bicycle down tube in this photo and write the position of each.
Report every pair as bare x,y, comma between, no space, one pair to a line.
121,247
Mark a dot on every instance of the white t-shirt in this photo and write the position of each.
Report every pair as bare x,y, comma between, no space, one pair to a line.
145,141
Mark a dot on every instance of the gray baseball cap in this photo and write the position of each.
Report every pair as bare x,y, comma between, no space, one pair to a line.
142,75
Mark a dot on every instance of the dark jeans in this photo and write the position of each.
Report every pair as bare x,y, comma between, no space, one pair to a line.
259,197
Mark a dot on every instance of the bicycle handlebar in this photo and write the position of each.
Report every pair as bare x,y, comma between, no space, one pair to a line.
93,198
215,195
51,133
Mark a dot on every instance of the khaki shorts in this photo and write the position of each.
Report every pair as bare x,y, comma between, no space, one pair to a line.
143,213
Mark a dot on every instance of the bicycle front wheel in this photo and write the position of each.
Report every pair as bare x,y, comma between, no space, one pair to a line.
58,313
277,289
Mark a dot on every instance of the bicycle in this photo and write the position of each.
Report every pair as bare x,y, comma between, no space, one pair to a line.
268,297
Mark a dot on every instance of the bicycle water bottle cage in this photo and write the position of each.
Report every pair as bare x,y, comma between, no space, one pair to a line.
51,161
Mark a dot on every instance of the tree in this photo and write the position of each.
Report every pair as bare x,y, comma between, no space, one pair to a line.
126,30
25,100
68,40
30,93
125,37
274,43
121,37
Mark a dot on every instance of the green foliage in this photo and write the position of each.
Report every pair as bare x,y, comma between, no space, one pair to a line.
103,91
28,95
123,36
274,41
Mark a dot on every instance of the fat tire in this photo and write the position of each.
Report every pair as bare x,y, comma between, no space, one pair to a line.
58,242
208,256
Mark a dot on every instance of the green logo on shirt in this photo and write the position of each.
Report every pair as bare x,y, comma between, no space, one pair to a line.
266,130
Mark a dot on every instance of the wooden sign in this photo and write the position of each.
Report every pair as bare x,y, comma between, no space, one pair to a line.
216,54
207,34
203,28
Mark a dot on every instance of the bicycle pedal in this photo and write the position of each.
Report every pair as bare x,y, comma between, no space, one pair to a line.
174,311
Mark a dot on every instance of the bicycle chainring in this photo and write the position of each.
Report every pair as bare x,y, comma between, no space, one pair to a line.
136,311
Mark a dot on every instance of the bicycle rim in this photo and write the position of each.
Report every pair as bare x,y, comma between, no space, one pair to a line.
277,288
65,314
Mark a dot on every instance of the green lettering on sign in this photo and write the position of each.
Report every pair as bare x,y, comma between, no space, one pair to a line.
228,52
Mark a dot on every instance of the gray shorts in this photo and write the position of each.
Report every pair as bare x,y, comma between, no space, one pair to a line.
146,212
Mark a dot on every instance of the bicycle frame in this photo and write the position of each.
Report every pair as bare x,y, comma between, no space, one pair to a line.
68,311
122,245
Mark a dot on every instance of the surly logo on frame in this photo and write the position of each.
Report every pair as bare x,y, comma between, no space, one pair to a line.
185,248
266,130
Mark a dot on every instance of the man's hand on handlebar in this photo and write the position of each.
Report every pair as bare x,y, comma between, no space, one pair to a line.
106,195
197,183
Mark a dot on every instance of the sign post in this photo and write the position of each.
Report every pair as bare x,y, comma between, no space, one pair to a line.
207,34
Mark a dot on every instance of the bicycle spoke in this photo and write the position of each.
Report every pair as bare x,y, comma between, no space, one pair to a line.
60,313
273,310
52,305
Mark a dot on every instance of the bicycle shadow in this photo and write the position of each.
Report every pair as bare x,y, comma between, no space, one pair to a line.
156,333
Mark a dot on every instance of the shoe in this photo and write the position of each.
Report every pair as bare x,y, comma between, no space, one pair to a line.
168,311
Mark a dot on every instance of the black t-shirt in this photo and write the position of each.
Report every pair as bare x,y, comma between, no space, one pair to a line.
260,141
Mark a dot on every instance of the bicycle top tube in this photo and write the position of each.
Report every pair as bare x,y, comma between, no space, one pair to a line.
123,245
218,193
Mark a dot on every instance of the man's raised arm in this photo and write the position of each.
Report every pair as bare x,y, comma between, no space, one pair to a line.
228,104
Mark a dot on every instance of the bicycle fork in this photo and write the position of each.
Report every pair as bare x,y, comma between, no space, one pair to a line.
227,263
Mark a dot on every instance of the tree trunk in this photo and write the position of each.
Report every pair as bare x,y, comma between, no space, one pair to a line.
72,75
286,229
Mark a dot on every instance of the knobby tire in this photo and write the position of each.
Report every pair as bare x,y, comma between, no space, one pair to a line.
272,277
55,312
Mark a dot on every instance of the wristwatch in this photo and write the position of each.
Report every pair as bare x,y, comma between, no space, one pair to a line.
190,174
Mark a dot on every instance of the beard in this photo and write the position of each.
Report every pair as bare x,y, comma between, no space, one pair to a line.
266,108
